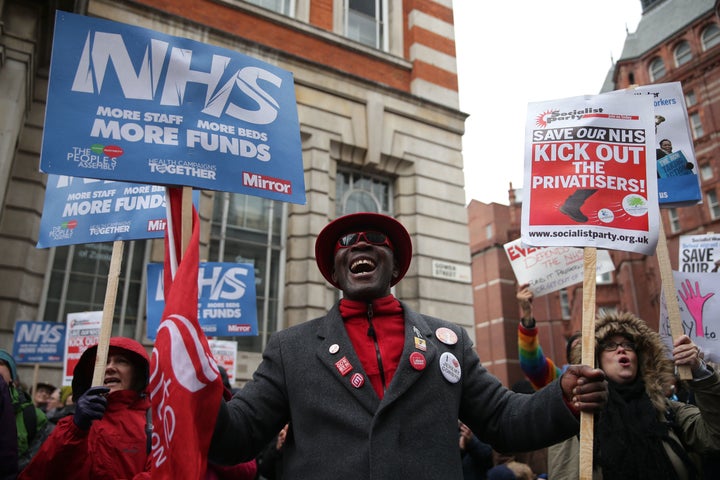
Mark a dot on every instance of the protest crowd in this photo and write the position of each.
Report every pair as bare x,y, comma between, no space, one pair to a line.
373,389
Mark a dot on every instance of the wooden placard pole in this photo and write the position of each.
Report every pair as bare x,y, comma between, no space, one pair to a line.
108,313
671,301
588,357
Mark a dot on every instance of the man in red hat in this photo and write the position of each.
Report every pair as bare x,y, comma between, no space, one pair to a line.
374,390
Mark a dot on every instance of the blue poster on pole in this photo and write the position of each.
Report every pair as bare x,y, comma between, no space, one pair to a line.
226,299
39,342
131,104
85,210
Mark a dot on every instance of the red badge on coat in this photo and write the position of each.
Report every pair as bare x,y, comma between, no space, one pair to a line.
417,360
343,366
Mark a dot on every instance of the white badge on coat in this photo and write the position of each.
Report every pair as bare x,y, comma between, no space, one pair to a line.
450,367
334,348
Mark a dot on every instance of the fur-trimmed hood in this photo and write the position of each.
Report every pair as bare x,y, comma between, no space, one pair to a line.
655,366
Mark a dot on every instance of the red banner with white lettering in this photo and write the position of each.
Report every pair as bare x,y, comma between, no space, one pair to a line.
185,383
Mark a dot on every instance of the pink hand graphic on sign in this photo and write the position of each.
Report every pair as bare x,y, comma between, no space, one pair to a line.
694,303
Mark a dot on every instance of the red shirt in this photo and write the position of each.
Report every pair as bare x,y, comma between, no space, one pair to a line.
377,332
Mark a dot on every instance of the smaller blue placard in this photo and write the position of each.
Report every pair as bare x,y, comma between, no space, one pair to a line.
226,303
39,342
85,210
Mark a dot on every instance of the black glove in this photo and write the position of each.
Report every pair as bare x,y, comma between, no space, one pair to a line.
90,406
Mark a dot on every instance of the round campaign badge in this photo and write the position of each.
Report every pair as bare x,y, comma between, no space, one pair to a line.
447,336
417,360
334,348
450,367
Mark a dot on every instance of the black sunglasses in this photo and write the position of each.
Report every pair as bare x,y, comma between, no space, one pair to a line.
374,238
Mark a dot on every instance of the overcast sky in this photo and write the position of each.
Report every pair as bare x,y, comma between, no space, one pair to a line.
513,52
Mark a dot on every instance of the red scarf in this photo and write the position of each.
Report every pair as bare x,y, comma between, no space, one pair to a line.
389,327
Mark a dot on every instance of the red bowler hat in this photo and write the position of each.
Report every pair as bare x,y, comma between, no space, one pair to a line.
358,222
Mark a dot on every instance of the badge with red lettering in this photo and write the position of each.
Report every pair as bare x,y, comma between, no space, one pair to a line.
417,360
447,336
357,380
343,366
450,367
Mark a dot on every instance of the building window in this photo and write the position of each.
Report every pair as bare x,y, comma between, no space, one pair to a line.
604,278
656,69
357,192
249,229
564,304
713,205
710,36
286,7
674,220
365,22
682,53
696,125
489,231
77,282
690,99
706,171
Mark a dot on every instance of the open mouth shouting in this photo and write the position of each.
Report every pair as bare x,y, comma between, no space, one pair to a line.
362,266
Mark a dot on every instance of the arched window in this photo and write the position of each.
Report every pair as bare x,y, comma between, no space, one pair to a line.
656,69
710,36
682,53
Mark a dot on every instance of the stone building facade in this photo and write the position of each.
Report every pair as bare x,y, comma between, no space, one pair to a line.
380,125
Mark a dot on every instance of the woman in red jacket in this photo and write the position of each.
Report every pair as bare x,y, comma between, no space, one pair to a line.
107,436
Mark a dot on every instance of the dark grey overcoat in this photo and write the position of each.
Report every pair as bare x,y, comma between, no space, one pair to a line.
340,429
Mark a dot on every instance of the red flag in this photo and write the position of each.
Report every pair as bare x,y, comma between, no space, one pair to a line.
185,384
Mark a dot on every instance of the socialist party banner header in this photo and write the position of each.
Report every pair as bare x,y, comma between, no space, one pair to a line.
131,104
85,210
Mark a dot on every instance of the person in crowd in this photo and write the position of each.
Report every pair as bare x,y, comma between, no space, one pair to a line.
477,457
641,433
375,390
41,395
32,426
66,406
269,461
539,369
108,435
8,431
53,402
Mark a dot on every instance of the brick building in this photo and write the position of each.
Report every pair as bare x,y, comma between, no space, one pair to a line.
377,93
675,41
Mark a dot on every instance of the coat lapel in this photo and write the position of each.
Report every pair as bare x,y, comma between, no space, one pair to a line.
336,352
406,375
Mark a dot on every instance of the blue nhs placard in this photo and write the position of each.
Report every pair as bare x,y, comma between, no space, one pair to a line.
131,104
226,299
39,342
